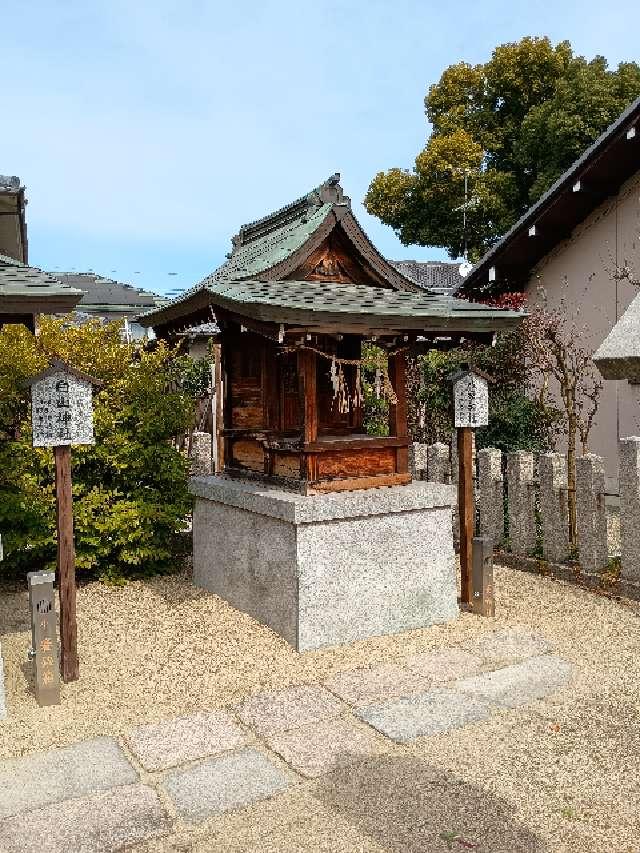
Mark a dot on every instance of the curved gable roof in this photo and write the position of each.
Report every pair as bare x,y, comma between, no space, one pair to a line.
276,245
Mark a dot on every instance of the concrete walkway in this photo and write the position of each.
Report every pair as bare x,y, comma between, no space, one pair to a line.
107,794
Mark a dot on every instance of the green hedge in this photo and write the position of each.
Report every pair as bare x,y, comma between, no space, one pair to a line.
130,489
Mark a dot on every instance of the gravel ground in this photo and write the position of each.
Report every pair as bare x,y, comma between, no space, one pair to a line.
562,774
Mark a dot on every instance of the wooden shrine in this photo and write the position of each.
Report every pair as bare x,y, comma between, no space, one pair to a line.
301,291
293,530
284,419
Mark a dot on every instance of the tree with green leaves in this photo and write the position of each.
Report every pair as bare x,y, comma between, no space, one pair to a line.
511,126
130,492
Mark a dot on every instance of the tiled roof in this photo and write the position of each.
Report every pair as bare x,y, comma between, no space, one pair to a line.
590,179
262,244
312,302
9,183
261,247
438,276
105,292
21,285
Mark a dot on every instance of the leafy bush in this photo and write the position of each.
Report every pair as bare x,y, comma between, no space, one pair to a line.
130,488
517,420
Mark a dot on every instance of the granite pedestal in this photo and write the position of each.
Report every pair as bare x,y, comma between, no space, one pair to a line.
327,569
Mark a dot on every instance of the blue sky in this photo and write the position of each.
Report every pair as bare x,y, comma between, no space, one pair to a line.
147,132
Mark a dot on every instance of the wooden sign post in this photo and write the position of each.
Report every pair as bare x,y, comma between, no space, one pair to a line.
62,415
471,405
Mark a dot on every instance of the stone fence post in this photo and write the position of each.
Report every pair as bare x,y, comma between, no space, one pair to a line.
439,470
591,512
491,495
201,453
418,460
630,506
521,500
438,464
554,510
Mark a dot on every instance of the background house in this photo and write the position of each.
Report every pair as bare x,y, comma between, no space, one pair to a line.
441,277
107,300
581,242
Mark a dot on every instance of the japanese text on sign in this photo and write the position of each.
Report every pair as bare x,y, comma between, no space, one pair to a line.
471,401
62,411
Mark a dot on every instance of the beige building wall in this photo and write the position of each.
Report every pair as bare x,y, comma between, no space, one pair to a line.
608,240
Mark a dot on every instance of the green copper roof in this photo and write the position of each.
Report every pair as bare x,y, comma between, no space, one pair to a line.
286,236
311,303
260,247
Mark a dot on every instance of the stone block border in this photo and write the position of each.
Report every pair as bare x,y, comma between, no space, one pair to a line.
99,795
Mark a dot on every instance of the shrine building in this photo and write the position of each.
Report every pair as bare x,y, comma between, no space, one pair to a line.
296,528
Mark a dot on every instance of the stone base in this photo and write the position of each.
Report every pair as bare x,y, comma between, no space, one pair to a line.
327,569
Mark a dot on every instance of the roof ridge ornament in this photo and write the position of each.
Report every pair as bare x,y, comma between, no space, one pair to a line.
330,192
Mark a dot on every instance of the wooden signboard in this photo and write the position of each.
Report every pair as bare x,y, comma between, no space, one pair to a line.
62,415
471,400
471,410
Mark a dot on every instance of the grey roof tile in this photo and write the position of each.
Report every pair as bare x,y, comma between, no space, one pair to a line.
438,276
104,292
20,281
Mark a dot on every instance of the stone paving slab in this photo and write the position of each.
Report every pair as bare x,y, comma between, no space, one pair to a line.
322,747
436,711
59,774
161,745
100,823
444,665
520,683
512,645
361,687
287,709
229,781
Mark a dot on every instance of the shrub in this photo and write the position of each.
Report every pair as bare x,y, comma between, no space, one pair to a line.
517,419
130,488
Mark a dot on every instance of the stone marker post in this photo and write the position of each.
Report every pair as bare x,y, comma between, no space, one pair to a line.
483,602
630,506
521,500
591,512
491,495
554,509
44,643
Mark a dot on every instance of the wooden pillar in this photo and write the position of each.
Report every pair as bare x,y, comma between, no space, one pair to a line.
66,565
220,392
466,510
308,395
309,405
398,422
